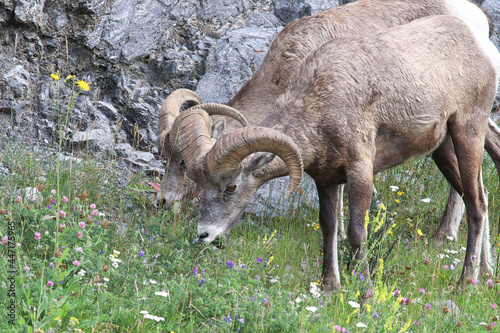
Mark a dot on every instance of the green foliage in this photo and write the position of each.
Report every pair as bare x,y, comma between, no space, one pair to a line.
125,266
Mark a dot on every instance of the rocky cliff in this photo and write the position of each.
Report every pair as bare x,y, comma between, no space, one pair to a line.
134,53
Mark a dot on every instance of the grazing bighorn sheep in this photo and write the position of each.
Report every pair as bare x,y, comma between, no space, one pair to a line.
358,106
289,47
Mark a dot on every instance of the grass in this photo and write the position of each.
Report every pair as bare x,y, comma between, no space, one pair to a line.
265,280
93,253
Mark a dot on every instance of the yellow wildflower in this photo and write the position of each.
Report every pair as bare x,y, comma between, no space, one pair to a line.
401,192
419,232
407,325
316,226
367,220
69,77
73,321
83,85
397,200
389,233
54,77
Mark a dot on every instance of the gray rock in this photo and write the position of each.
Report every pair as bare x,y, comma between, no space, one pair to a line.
30,12
319,5
16,83
93,140
288,11
236,59
269,200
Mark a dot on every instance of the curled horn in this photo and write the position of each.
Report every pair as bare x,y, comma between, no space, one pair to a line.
228,152
212,109
171,109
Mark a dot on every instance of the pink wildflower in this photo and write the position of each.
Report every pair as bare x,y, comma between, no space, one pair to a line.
396,293
79,249
93,206
79,234
62,213
427,306
64,199
422,291
493,306
38,235
445,267
46,233
95,212
474,282
19,199
76,263
337,328
82,224
50,283
489,282
53,191
5,240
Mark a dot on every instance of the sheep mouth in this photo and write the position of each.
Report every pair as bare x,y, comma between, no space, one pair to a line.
219,242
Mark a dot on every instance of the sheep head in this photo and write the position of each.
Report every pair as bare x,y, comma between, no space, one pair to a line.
176,185
230,171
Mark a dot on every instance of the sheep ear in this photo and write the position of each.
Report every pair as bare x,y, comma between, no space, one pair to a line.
218,128
259,160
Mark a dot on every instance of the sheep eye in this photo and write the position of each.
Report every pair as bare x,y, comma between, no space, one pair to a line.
231,188
182,165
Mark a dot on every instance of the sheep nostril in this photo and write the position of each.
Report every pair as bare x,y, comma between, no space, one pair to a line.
203,235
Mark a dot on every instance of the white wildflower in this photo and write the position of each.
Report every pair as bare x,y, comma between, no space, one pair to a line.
394,188
354,304
426,200
311,308
152,281
361,325
314,289
148,316
162,293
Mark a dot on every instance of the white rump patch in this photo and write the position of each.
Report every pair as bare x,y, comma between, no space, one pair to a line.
470,13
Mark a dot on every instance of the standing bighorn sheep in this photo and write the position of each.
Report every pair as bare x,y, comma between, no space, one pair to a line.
289,47
355,107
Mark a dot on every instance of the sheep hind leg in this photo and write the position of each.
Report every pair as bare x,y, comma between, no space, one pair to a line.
468,148
492,146
453,214
359,189
328,200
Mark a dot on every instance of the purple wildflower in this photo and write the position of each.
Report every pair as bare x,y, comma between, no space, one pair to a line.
259,260
228,319
195,271
230,264
141,253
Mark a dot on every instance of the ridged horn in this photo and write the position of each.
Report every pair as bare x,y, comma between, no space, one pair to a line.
228,152
171,109
194,128
212,109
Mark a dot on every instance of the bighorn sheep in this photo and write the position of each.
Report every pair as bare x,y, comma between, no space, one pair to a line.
288,49
355,107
